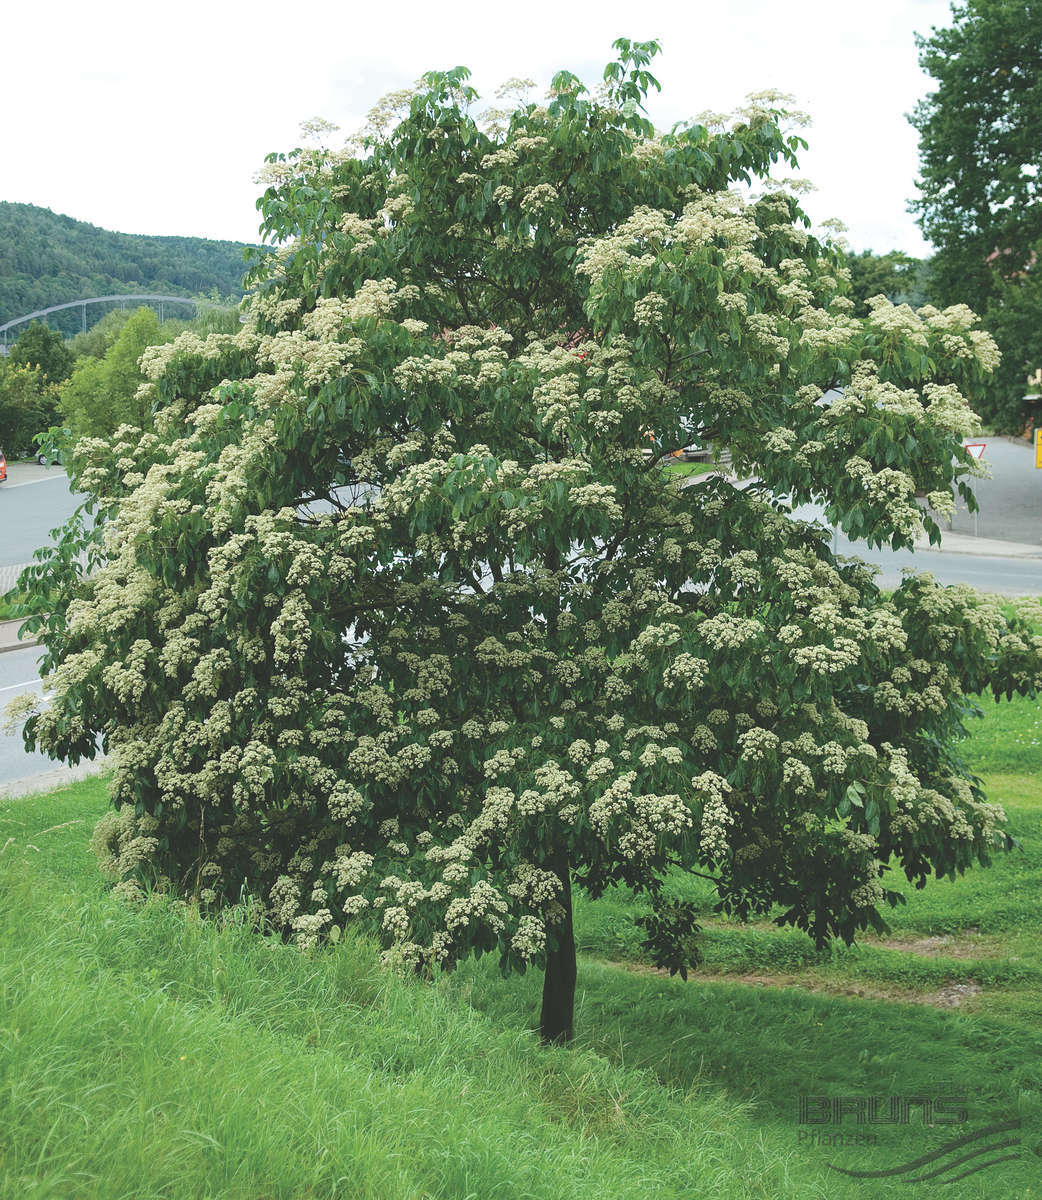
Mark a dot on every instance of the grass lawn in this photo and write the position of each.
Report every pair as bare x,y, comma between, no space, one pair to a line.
690,468
147,1053
7,607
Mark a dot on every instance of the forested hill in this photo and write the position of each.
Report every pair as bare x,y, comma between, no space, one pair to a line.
46,258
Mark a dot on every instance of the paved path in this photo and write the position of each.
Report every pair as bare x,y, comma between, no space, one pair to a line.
21,473
22,771
991,564
1006,574
1008,568
963,543
10,574
56,777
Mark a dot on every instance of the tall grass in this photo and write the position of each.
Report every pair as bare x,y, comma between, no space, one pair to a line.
145,1052
149,1053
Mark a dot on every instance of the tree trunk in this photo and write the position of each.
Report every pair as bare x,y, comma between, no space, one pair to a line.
557,1018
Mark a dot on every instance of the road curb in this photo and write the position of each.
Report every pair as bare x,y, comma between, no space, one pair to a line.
47,781
9,639
1022,555
26,645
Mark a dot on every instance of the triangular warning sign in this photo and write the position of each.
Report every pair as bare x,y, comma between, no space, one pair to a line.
975,449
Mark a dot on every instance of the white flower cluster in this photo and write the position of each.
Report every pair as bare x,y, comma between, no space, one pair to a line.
529,939
717,818
649,311
758,744
728,632
534,886
948,411
645,230
483,904
123,841
538,197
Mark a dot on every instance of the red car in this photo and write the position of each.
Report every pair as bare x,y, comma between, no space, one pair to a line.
3,467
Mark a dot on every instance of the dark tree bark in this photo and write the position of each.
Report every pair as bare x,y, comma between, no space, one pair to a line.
556,1022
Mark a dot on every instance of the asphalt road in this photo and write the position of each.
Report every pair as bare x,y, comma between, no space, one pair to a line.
1007,576
19,675
33,501
1011,500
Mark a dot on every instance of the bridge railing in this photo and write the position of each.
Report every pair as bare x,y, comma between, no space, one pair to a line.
139,297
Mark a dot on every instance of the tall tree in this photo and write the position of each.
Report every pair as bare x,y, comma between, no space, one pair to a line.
897,276
44,350
980,202
398,622
104,393
28,404
97,340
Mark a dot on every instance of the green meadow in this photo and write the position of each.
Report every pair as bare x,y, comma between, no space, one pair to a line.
145,1052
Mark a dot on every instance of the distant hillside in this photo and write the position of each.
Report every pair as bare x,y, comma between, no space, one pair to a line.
46,258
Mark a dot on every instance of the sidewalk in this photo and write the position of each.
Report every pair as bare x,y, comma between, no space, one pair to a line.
9,637
21,473
966,543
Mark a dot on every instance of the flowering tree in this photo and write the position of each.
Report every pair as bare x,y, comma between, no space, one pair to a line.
397,620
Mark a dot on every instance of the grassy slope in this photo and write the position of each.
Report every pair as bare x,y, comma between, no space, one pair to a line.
689,468
146,1053
983,926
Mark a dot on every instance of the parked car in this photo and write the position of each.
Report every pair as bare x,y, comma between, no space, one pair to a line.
50,447
696,452
3,467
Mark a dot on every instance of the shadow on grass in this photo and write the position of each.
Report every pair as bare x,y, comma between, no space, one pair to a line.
770,1044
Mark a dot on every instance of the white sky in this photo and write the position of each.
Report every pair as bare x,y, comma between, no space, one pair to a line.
155,118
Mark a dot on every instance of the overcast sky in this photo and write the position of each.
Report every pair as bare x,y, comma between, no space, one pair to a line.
153,118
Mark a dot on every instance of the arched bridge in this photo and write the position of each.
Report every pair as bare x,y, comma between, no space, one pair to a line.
137,297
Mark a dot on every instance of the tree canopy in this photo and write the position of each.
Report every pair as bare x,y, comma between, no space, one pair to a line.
980,202
29,379
95,343
400,617
44,350
28,403
899,277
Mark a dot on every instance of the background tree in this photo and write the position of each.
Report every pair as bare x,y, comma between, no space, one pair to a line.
899,277
44,350
1014,316
980,155
97,340
107,389
104,393
397,622
28,403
